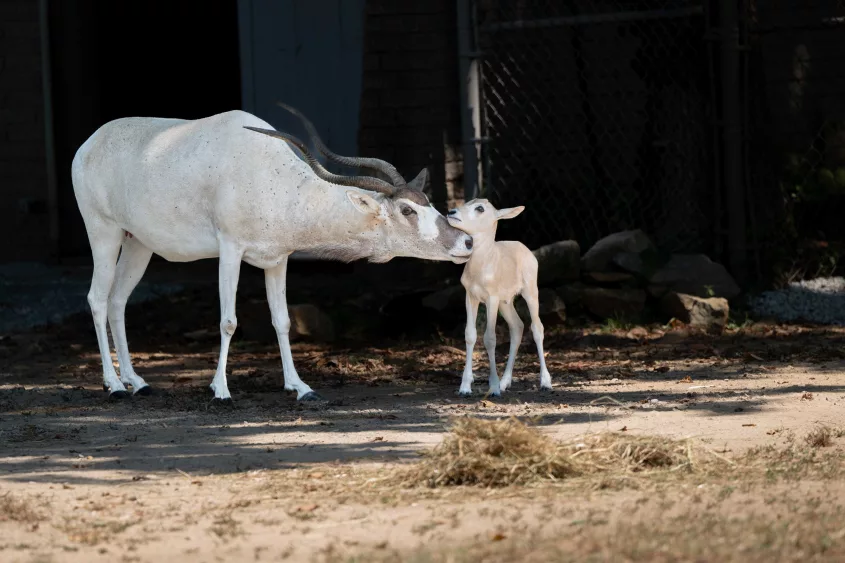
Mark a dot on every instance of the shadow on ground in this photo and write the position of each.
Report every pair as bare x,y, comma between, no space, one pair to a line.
386,396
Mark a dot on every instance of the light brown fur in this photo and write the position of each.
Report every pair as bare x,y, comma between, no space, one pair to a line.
494,275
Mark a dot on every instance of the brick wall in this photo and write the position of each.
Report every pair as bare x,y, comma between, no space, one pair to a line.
23,178
410,113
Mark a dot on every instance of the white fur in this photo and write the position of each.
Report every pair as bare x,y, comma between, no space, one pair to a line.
495,274
427,224
209,188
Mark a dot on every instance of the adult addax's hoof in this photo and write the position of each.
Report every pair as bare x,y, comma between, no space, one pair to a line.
119,395
144,391
494,395
310,396
227,402
545,389
105,388
464,393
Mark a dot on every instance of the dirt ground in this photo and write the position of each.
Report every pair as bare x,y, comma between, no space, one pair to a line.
87,479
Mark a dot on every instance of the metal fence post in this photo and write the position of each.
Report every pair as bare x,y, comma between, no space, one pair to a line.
732,141
467,79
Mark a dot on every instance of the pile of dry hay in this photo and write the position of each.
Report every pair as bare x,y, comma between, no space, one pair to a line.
509,452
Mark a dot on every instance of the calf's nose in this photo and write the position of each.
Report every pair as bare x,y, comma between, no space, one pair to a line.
452,212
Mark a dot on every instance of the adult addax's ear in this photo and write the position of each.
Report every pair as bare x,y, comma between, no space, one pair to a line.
510,212
420,182
363,203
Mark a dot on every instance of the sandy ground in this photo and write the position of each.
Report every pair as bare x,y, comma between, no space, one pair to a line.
87,479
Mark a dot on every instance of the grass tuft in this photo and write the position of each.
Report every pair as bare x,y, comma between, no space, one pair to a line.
820,437
496,453
16,510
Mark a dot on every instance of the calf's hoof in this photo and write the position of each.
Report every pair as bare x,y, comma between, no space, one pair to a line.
464,393
218,402
310,397
144,391
119,395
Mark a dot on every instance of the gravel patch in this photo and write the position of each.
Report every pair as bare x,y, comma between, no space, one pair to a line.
820,300
34,294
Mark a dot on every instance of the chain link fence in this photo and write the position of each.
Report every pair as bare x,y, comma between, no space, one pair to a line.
596,115
796,141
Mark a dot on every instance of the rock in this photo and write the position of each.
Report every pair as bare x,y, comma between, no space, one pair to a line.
572,293
637,333
306,322
552,308
446,299
710,314
630,262
600,257
608,277
609,303
310,322
693,274
559,262
254,322
202,334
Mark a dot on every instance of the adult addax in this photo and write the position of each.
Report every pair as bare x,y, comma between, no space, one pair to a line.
214,188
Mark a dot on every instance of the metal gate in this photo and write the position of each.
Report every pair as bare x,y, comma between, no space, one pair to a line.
596,115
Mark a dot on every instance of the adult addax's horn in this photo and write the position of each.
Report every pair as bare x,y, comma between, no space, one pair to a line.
373,163
365,182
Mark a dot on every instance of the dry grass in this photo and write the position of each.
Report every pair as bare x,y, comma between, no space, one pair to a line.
16,510
495,453
94,532
820,437
696,535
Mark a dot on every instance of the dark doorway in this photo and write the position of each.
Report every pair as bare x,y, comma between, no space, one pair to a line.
114,59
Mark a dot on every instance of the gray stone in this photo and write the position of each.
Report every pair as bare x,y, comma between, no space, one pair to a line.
552,308
710,314
559,262
307,322
310,322
572,293
630,262
600,257
608,277
446,299
694,274
609,303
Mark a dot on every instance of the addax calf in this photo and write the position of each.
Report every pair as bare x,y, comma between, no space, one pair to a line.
495,274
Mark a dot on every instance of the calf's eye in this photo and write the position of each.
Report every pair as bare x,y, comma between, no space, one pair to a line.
480,209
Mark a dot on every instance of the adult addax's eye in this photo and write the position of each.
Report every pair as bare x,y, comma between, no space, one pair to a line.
480,209
407,211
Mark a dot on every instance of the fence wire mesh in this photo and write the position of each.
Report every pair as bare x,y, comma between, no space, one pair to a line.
796,92
596,115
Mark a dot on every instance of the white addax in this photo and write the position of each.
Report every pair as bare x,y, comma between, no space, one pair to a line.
212,188
495,274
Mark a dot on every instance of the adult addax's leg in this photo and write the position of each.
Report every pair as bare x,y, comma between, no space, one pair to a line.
230,268
516,328
276,279
471,335
134,258
105,244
